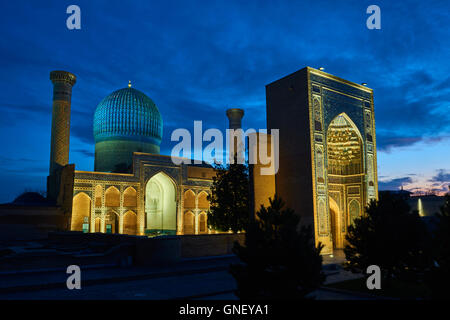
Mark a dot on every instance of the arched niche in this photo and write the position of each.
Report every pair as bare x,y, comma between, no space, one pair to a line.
189,199
112,197
189,223
130,197
335,222
344,147
81,211
202,223
160,205
112,222
203,202
130,223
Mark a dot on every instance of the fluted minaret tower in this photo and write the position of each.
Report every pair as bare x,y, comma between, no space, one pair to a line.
62,93
236,142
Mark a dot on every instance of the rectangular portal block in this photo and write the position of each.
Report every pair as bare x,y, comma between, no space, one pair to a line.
327,150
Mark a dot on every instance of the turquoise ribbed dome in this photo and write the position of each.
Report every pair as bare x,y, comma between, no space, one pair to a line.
128,114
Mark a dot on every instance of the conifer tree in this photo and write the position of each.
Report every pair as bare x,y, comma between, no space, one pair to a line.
279,260
229,199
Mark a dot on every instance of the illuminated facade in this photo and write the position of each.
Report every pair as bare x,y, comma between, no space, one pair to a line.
133,189
158,197
327,151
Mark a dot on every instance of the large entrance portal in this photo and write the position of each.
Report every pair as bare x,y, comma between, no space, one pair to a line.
160,205
326,164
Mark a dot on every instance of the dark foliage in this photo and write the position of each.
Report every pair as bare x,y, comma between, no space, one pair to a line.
390,236
279,260
439,278
229,199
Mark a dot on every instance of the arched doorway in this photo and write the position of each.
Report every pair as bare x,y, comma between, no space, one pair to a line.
112,222
188,223
202,223
334,222
81,212
129,223
97,225
161,205
345,173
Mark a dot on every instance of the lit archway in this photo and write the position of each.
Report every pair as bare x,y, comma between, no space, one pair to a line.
98,196
189,199
344,147
334,222
160,204
345,173
203,202
97,225
112,197
112,222
81,211
129,223
130,197
188,223
202,223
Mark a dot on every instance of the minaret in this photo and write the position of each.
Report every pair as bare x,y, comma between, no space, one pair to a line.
62,93
235,139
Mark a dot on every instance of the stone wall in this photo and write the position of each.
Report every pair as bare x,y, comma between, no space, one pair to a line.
209,245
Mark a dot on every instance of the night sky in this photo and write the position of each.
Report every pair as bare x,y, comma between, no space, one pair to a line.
195,59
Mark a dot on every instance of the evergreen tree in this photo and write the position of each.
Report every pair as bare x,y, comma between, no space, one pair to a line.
229,199
390,236
279,260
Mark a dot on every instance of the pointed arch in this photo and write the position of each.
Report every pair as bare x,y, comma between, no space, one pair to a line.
112,197
130,223
189,199
130,197
354,209
202,223
203,202
97,225
170,178
112,222
334,221
81,211
344,147
98,195
189,225
161,204
349,121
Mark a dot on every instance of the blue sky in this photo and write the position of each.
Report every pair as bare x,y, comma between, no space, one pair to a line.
197,58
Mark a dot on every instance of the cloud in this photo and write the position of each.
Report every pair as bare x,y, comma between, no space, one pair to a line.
441,181
443,175
85,152
394,184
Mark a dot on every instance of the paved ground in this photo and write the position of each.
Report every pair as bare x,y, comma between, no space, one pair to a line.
174,287
206,278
